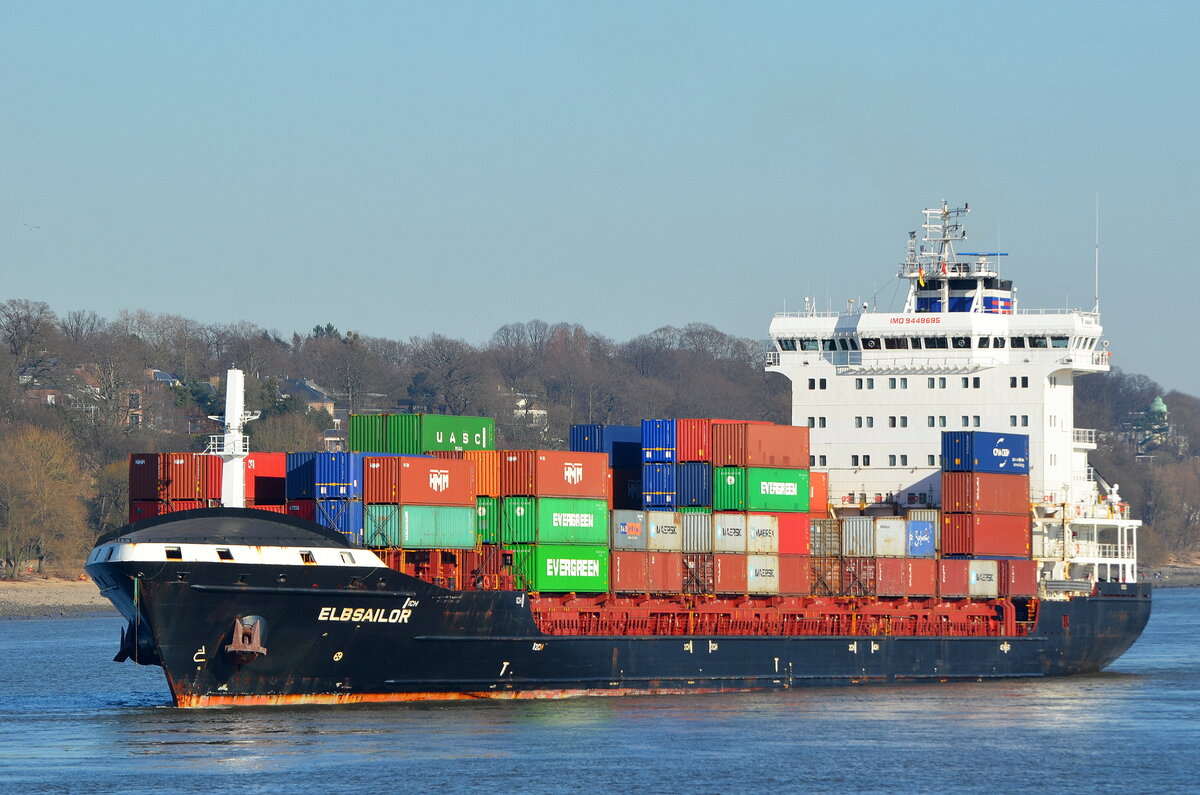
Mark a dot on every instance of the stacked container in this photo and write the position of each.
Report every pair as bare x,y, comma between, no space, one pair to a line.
985,494
416,434
555,519
162,483
417,502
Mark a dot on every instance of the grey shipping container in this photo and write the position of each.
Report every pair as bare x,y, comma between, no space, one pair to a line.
826,538
697,532
858,537
891,537
923,515
664,531
628,530
984,578
729,532
762,574
762,534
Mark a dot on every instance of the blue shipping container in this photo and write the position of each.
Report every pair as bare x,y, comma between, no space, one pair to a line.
339,475
693,485
300,482
658,440
627,487
921,541
983,451
658,485
622,443
345,516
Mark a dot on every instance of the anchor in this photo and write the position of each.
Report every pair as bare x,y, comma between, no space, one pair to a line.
248,636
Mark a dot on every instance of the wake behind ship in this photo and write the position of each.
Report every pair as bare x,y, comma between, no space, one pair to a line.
866,542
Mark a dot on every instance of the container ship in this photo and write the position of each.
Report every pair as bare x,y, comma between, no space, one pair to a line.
929,515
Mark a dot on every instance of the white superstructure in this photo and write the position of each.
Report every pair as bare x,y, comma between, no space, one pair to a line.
878,388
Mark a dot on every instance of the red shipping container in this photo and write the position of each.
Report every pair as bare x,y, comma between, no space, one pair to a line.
985,534
190,476
144,509
144,477
487,471
985,492
418,480
795,533
628,573
693,437
858,576
553,473
826,577
906,577
265,476
954,578
302,509
1018,578
455,454
729,573
698,572
818,493
272,507
795,575
483,569
664,572
751,445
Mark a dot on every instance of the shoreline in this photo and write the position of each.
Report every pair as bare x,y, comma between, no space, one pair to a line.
51,597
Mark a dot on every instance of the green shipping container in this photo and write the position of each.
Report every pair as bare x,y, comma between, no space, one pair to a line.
381,525
487,519
414,434
561,569
760,489
402,434
553,520
367,433
437,527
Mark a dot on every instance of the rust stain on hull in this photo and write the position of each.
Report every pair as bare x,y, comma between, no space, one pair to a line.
201,701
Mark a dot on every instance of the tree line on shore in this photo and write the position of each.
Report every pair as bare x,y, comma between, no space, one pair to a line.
70,384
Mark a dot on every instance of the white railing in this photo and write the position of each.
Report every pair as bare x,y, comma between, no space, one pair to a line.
773,359
1088,318
811,314
217,446
1093,550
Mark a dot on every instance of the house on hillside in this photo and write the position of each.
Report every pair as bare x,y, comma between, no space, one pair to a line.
312,396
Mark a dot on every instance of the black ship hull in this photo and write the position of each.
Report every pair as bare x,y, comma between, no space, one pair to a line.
332,635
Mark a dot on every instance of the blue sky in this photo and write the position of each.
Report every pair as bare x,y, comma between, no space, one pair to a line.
400,169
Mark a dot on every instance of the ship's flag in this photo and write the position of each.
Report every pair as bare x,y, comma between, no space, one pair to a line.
921,276
943,268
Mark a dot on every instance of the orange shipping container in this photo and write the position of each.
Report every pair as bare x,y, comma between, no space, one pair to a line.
190,476
664,572
487,471
628,572
818,493
985,492
553,473
985,534
753,445
418,480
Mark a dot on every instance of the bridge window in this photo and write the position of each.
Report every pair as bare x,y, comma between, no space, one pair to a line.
828,345
984,342
808,345
936,342
1018,342
1058,342
1037,342
997,342
787,345
962,342
895,343
870,343
916,343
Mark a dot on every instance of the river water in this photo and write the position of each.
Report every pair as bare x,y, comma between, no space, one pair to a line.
72,721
